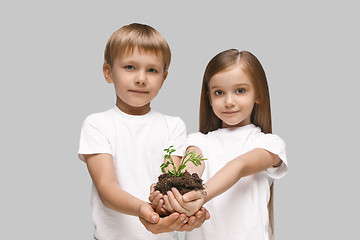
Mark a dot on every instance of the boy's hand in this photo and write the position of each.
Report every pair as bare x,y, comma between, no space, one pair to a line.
173,222
155,224
174,202
196,221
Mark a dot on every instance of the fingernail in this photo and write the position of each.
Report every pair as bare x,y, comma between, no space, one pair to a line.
185,198
182,218
153,218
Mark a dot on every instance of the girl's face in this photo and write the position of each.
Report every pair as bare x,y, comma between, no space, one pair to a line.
232,97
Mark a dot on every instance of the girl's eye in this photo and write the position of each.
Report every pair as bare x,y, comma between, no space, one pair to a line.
218,92
129,67
152,70
241,90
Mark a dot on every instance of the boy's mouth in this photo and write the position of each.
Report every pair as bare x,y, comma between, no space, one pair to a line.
138,91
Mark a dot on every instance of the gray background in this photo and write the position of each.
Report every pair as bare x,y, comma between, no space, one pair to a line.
51,79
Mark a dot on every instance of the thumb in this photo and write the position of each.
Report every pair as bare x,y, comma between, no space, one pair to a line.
148,214
191,196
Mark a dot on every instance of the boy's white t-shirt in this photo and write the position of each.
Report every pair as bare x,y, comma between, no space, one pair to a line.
240,212
136,143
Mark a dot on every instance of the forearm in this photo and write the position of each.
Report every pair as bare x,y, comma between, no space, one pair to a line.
222,180
102,172
249,163
119,200
190,167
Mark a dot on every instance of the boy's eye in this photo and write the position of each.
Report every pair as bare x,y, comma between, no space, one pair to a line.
129,67
241,90
152,70
218,92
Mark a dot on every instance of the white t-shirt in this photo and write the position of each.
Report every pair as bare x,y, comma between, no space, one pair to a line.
136,144
240,212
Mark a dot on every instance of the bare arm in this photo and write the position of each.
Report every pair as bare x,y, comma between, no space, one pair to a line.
102,172
244,165
190,167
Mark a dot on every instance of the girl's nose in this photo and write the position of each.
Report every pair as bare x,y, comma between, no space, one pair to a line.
229,101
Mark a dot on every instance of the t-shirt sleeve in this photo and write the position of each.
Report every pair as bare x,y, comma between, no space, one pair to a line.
275,145
93,137
196,140
177,136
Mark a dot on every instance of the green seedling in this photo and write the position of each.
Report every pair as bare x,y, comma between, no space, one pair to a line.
189,156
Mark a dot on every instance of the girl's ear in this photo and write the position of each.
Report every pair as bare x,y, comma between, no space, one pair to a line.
208,95
107,72
257,99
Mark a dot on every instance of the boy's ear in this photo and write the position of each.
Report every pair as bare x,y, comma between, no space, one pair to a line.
107,72
165,76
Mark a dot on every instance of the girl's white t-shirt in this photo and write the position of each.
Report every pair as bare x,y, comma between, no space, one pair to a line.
240,212
136,144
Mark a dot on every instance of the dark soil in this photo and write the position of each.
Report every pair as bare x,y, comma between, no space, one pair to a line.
186,183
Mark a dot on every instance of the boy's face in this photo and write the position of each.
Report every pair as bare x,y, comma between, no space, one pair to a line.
137,78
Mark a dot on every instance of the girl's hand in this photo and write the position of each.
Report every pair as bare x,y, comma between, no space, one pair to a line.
157,202
174,202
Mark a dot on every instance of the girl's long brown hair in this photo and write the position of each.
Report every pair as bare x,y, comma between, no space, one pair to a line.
261,113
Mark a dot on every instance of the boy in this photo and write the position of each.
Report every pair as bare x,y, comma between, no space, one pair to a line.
123,146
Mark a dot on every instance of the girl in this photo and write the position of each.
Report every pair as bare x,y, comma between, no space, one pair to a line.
243,156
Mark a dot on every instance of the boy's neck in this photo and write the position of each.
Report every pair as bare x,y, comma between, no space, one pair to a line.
132,110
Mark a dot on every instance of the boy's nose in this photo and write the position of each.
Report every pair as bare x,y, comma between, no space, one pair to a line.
141,78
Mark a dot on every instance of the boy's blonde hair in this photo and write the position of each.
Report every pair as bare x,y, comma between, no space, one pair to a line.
143,37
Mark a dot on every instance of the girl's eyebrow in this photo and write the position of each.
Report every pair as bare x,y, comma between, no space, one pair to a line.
214,87
235,85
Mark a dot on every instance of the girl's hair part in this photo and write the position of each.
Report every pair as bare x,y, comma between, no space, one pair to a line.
261,113
137,36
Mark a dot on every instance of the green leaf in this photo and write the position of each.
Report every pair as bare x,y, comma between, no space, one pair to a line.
181,167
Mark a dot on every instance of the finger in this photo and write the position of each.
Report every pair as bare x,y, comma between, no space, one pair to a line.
155,201
191,196
189,226
207,214
164,224
174,203
177,196
167,204
159,206
152,196
147,213
152,188
164,212
199,213
179,223
199,221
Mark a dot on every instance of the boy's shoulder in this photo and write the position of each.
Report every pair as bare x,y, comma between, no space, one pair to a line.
170,119
98,117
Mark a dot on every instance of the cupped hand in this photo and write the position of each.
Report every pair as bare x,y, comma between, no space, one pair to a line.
157,202
173,201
